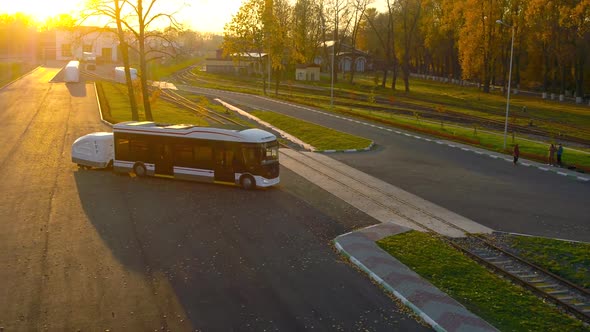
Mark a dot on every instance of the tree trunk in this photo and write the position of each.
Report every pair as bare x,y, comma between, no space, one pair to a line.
147,107
126,64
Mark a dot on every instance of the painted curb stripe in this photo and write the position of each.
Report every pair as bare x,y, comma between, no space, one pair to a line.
390,289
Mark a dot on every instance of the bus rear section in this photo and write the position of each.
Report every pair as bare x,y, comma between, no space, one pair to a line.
248,158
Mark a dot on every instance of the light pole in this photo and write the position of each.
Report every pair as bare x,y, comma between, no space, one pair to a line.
509,80
332,84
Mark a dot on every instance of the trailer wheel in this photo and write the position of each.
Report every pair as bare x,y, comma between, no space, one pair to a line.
139,170
248,182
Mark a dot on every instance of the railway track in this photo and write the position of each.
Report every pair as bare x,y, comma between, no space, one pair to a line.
175,98
186,103
568,296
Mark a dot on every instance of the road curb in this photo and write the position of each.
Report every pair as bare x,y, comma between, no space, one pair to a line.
436,308
99,107
368,148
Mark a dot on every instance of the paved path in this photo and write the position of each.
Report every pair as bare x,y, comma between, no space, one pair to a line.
435,307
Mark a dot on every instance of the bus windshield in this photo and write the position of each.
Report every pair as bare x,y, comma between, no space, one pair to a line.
261,154
271,152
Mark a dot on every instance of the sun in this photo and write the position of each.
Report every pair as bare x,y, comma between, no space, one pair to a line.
41,10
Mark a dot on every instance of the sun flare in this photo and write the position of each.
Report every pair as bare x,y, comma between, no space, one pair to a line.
40,10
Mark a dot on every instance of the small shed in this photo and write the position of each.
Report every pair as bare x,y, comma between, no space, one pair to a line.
309,72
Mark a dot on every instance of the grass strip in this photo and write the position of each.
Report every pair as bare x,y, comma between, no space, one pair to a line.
428,94
506,306
320,137
115,107
570,260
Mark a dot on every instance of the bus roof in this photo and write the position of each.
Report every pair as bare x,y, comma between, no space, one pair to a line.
192,131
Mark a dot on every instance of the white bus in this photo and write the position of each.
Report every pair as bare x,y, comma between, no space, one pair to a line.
249,158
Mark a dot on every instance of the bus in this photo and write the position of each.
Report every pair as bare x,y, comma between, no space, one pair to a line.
248,158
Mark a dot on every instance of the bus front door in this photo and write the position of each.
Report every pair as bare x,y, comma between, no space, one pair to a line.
224,169
164,162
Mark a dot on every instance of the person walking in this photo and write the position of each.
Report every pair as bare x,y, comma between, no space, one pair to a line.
559,154
516,153
552,150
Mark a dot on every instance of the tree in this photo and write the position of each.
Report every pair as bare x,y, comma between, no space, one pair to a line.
145,16
478,39
409,11
383,30
440,26
307,30
114,9
280,39
358,14
245,34
336,15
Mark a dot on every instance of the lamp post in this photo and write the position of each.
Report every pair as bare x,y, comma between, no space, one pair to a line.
332,84
509,80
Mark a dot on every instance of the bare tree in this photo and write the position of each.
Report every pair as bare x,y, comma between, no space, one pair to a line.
145,16
336,14
114,9
409,14
359,8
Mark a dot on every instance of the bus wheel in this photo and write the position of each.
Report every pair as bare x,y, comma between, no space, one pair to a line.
247,182
139,170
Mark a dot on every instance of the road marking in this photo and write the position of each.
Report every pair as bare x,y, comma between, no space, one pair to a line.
562,173
465,149
492,156
525,164
583,178
543,169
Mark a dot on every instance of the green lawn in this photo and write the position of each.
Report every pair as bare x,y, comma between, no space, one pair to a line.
556,117
321,138
570,260
9,71
116,109
161,71
506,306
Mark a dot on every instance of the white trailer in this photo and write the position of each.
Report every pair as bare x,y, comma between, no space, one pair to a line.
94,150
120,74
72,72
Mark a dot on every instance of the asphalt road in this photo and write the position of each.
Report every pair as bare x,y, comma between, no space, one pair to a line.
92,250
491,192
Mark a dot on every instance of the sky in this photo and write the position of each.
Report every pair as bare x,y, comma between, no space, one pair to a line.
199,15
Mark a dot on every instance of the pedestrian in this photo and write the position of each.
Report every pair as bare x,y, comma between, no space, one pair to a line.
552,150
559,154
516,153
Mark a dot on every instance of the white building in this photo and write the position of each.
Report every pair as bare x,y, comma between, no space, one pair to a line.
103,43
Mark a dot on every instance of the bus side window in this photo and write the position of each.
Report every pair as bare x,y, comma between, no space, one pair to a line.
139,150
203,156
183,155
122,149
